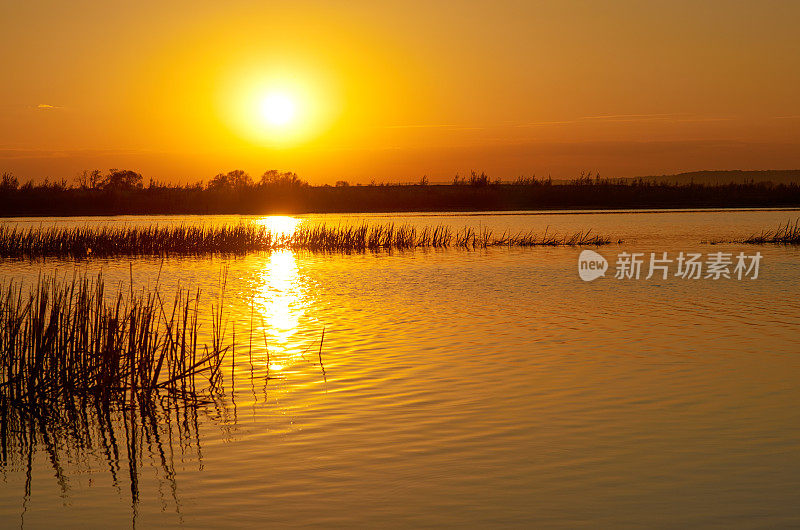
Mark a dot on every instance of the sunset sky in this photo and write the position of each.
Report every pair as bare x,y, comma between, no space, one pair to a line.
182,90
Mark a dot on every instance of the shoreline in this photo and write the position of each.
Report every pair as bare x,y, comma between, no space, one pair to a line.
301,199
413,213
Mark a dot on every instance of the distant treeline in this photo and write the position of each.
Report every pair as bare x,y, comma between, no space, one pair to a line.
731,176
120,192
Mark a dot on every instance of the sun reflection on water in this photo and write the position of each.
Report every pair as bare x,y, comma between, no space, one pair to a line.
281,303
279,225
278,295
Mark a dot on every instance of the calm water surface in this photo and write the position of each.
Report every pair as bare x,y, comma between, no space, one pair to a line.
462,388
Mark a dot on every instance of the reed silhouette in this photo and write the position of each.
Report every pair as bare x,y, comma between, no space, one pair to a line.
80,370
86,374
154,240
788,234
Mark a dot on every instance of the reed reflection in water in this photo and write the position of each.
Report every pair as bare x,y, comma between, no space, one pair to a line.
161,435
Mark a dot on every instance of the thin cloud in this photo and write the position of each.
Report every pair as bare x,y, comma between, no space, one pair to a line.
47,106
11,153
432,126
628,118
541,123
610,118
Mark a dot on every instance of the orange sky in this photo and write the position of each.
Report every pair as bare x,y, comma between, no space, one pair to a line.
395,90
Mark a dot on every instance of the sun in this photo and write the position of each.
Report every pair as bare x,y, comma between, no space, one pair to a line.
277,109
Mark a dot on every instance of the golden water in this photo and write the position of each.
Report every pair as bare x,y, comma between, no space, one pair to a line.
465,388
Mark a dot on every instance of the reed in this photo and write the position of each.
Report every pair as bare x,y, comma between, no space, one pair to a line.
120,376
87,372
159,240
788,234
64,339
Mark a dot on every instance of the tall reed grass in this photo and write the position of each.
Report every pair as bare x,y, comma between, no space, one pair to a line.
61,339
155,240
88,373
83,370
788,234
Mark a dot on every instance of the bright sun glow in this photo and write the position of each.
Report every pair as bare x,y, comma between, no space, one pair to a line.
277,109
280,225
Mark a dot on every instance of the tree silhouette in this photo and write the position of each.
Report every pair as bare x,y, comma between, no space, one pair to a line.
122,179
236,179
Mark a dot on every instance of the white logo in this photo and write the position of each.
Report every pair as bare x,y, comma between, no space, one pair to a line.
591,265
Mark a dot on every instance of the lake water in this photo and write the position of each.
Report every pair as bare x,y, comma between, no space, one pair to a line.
462,388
